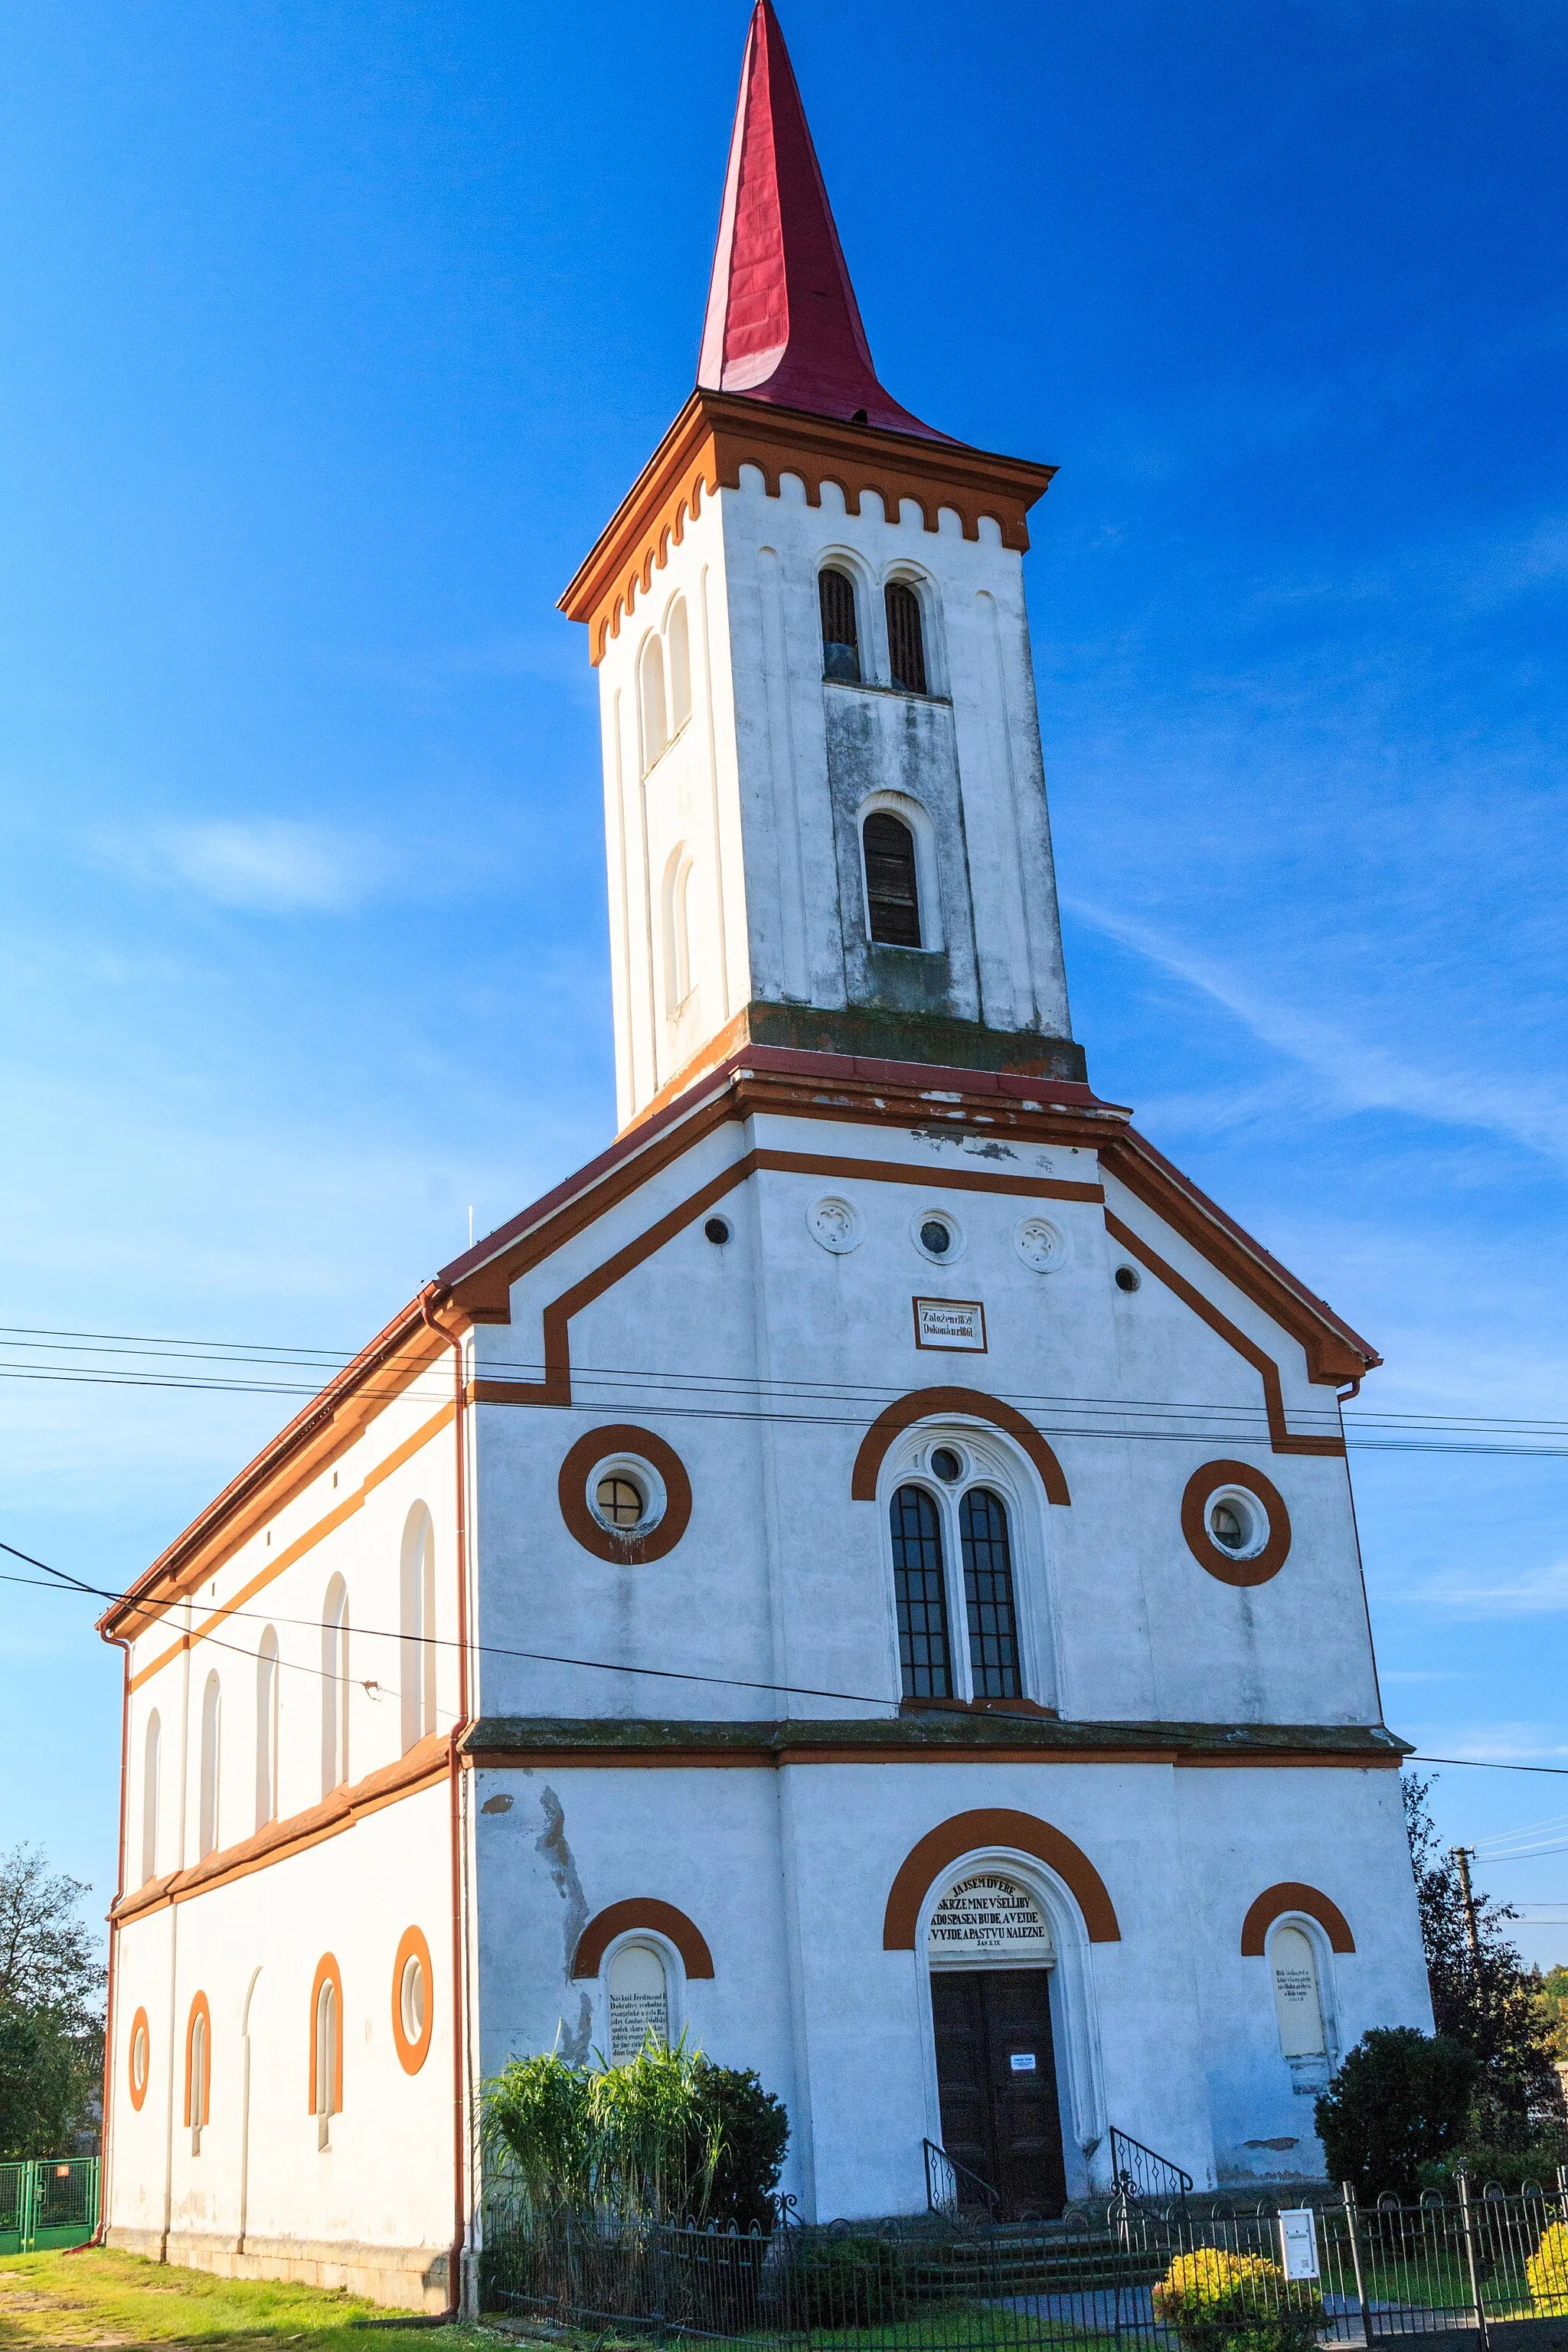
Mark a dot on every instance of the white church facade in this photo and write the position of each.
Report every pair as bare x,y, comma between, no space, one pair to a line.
864,1573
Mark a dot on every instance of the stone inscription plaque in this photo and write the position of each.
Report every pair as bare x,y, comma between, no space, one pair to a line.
989,1918
955,1323
639,2002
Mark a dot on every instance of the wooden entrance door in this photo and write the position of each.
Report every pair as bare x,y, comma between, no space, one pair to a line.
997,2079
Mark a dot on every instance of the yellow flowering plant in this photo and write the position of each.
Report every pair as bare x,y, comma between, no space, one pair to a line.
1547,2272
1221,2302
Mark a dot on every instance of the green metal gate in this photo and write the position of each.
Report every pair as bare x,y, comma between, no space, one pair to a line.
50,2200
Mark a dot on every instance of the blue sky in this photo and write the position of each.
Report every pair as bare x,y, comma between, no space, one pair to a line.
329,339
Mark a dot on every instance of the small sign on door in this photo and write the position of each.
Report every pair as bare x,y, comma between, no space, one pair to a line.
1022,2062
1298,2242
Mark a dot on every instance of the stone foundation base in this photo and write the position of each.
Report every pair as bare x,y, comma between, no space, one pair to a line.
405,2278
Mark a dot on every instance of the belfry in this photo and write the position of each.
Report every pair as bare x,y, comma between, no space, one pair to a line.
863,1571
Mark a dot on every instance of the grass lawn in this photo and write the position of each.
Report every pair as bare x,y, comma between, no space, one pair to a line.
109,2299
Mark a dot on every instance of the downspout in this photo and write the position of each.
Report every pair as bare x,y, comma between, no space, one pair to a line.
454,1783
105,2165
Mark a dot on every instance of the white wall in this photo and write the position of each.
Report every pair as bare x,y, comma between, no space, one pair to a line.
765,787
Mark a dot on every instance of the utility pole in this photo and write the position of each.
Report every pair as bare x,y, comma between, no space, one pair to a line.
1463,1855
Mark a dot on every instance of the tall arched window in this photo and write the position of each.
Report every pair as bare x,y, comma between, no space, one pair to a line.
677,648
211,1765
416,1672
988,1594
326,2052
267,1729
840,637
892,887
198,2070
335,1687
650,687
677,929
920,1591
906,643
1298,1994
151,1752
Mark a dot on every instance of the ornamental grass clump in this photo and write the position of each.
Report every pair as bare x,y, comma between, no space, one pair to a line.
1547,2273
1221,2302
667,2138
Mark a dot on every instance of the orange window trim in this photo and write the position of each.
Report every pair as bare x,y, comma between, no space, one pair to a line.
139,2025
198,2010
411,2055
642,1911
327,1972
927,1404
965,1834
1291,1895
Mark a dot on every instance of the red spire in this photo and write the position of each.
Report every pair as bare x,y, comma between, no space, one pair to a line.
782,324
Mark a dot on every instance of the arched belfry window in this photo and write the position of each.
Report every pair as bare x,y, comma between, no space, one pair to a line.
919,1590
840,637
267,1729
334,1686
906,641
892,884
988,1594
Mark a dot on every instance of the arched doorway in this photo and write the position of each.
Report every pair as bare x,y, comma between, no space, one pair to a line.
991,1955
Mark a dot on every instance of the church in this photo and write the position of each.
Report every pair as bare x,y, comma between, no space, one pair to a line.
863,1574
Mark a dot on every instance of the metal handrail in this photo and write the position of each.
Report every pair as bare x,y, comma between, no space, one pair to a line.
944,2175
1139,2172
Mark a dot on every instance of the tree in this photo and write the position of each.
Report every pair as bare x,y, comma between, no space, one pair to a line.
51,2022
1494,2011
1400,2100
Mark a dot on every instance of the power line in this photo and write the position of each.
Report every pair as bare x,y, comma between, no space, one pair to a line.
602,1666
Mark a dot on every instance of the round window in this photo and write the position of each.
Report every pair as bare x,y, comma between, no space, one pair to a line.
619,1502
1238,1523
946,1465
410,1998
1126,1277
718,1231
937,1236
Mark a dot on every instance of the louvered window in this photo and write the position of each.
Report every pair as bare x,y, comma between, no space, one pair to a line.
840,637
921,1596
892,888
988,1595
906,645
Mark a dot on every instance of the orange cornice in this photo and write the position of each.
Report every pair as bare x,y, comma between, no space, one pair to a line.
310,1444
423,1766
1334,1351
718,433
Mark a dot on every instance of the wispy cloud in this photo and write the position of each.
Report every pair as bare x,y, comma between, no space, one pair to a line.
274,866
1354,1075
1493,1592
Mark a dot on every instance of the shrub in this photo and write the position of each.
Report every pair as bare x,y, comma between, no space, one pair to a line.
851,2283
1400,2100
1220,2302
754,2133
1547,2272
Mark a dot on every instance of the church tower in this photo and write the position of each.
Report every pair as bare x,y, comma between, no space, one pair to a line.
824,794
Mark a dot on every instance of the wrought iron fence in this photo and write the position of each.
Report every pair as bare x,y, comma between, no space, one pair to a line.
47,2201
1133,2270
